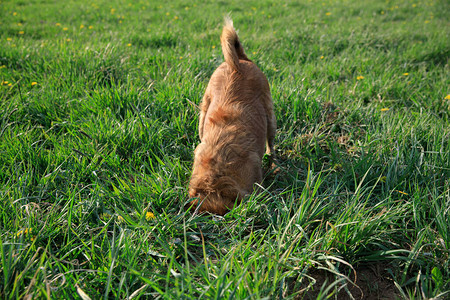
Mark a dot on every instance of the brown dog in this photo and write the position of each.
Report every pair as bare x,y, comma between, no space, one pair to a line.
236,123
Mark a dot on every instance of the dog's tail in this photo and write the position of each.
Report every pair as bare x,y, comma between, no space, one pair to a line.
231,46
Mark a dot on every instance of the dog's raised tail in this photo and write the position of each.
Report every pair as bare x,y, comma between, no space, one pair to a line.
231,46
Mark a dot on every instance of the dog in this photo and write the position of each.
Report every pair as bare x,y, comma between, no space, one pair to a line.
236,123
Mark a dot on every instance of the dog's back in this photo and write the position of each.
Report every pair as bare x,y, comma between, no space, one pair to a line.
234,123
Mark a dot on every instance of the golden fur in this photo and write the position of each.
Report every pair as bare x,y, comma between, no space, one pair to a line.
236,124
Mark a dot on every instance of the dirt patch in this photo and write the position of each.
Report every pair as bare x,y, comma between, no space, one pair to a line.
372,282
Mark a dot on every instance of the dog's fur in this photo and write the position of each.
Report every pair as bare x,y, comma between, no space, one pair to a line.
236,123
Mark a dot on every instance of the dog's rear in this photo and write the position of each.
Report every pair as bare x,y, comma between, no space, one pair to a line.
236,123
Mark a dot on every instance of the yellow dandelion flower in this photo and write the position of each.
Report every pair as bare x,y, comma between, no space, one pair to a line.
149,216
446,97
90,27
113,10
21,32
322,57
328,14
181,57
3,67
5,82
186,8
65,28
254,52
9,39
213,46
414,5
427,21
81,26
24,232
10,84
167,13
58,24
129,45
176,17
405,74
33,83
385,109
14,14
120,21
360,77
68,40
19,24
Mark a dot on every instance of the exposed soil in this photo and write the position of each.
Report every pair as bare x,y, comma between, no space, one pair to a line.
372,283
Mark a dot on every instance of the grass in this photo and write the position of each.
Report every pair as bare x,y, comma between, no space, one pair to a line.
98,125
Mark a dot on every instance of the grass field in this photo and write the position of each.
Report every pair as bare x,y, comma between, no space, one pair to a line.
98,123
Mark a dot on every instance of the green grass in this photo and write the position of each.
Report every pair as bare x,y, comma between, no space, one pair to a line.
98,123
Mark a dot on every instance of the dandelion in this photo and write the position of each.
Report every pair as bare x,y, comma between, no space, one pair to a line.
19,24
129,45
186,8
359,77
405,74
181,57
328,14
427,21
14,14
65,28
149,216
414,5
385,109
90,27
3,67
81,26
33,83
446,97
113,10
21,32
167,13
322,57
254,52
68,40
23,232
5,82
382,12
175,18
9,39
58,24
213,46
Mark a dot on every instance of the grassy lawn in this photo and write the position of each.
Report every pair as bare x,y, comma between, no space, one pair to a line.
98,123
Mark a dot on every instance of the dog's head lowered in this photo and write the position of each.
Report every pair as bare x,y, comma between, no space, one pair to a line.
210,188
